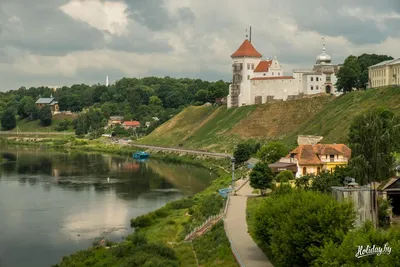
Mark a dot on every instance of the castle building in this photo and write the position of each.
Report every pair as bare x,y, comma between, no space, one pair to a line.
258,81
386,73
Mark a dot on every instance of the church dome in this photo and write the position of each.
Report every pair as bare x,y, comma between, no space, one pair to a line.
323,58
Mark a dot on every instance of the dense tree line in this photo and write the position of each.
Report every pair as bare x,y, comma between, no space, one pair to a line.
354,72
132,98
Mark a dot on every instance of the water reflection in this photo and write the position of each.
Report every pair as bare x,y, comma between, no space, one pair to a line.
56,203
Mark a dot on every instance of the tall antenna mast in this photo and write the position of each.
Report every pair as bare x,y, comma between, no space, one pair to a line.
250,35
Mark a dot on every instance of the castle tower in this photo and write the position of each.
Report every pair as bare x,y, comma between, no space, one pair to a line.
324,65
244,61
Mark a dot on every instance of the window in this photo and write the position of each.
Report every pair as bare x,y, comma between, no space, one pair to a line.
264,74
312,87
241,66
304,170
316,79
248,77
316,87
312,78
252,66
248,66
279,74
272,74
318,170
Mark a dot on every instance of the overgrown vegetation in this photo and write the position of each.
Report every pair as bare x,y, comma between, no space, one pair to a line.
291,226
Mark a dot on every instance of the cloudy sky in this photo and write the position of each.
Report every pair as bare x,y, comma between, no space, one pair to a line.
62,42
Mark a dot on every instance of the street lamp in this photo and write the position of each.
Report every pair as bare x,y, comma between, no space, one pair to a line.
233,174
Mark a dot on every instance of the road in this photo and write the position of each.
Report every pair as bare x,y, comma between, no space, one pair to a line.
182,150
245,249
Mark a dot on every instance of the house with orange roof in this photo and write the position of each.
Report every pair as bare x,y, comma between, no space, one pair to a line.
256,80
313,159
131,124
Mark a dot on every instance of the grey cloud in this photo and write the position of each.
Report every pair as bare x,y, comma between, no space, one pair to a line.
45,30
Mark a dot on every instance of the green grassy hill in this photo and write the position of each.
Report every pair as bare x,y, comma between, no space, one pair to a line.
26,125
219,129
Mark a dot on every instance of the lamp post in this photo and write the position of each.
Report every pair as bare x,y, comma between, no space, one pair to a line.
233,174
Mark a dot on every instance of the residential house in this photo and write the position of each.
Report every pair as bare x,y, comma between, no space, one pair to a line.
49,101
313,159
131,124
115,120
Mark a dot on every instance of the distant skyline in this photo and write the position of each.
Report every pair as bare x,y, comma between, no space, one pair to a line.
61,42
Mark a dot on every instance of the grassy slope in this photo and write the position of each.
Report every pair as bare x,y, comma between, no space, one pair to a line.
220,129
26,125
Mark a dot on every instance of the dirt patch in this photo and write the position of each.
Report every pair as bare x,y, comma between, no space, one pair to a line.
274,120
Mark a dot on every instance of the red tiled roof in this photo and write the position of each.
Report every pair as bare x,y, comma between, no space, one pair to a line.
246,50
263,66
131,123
273,78
309,154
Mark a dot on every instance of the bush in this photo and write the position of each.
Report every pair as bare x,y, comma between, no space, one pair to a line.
343,254
143,220
284,176
63,126
184,203
261,177
293,225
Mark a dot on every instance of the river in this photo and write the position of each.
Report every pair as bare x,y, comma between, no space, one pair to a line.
53,204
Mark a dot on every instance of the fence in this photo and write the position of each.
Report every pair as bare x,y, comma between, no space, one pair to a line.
211,218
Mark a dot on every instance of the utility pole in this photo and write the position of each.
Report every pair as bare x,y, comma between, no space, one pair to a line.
233,175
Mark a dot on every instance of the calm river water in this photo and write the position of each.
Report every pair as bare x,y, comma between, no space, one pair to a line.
53,204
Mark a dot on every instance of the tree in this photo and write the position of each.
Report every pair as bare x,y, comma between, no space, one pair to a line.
261,177
373,138
242,153
154,100
348,75
8,121
45,116
272,152
284,176
365,61
294,225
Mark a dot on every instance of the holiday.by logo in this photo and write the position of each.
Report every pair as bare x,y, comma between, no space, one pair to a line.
372,250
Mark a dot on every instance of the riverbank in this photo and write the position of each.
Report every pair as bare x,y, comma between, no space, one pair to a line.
168,225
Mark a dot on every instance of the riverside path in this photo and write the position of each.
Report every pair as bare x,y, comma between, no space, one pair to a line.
245,249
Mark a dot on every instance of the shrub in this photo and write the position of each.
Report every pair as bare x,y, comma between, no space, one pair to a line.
293,225
143,220
343,254
272,152
163,212
184,203
284,176
63,126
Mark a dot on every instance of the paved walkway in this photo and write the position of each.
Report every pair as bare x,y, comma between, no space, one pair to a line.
246,250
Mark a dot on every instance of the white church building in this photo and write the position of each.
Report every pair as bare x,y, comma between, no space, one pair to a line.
258,81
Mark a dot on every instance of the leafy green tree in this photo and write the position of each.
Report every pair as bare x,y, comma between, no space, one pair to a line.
201,96
373,137
261,177
284,176
365,61
31,110
294,225
45,116
8,121
272,152
242,153
155,100
348,75
343,253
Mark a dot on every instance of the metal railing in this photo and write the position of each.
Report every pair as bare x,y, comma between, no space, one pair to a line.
211,218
